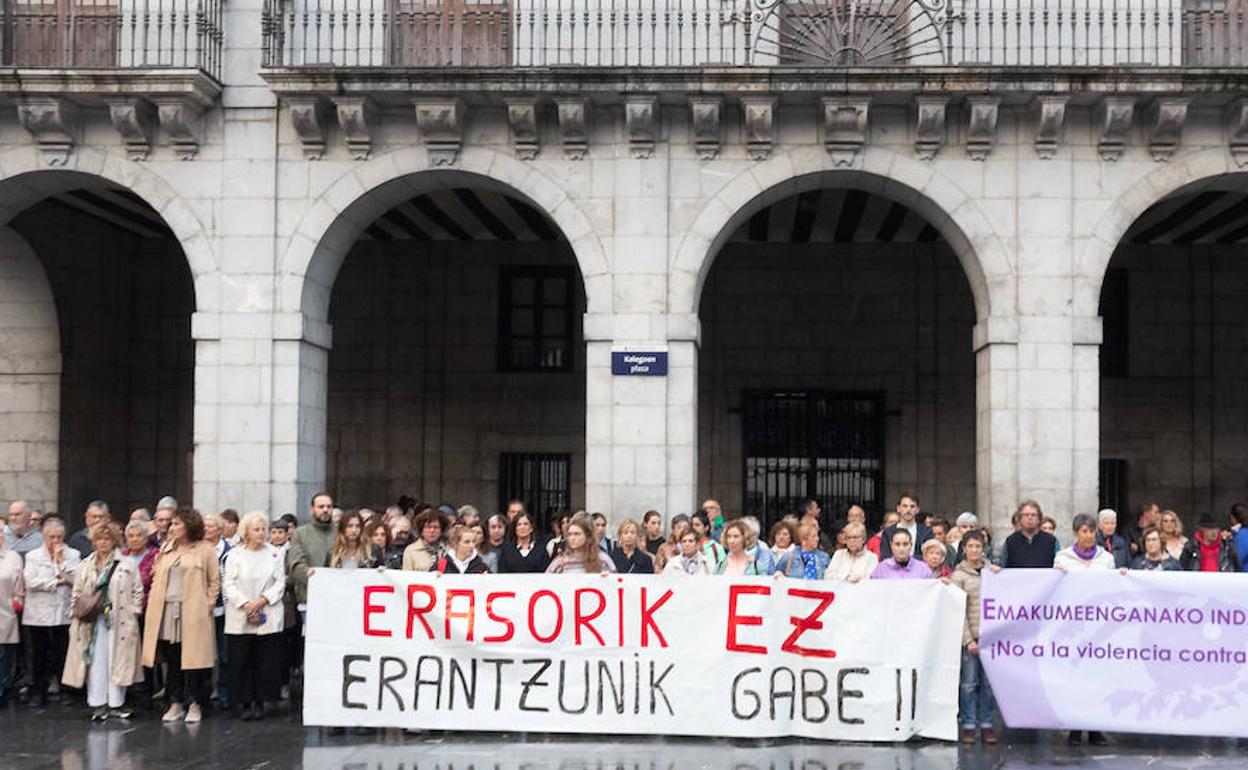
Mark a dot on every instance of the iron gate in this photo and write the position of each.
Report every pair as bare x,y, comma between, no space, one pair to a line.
542,481
802,444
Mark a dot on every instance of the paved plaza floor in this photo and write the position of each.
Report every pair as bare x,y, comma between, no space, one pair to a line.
63,738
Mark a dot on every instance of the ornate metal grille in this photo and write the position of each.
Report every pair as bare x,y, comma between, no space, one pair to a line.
805,444
543,482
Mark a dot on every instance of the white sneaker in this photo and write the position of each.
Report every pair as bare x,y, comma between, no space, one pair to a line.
174,713
193,714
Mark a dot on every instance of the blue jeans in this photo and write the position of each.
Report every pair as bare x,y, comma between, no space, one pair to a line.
976,706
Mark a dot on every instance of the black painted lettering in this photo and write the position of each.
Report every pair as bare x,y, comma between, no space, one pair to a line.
531,682
778,692
814,690
467,683
605,677
498,678
349,679
656,686
738,692
563,687
843,694
435,682
384,683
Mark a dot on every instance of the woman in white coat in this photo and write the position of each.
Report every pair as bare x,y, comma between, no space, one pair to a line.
12,595
105,651
255,579
49,576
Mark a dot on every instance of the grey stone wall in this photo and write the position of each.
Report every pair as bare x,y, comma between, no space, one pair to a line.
889,318
417,405
1180,417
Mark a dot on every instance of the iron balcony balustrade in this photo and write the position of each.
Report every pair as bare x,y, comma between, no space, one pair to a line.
753,33
113,35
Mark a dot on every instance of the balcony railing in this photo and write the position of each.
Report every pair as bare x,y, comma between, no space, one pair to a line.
112,34
674,33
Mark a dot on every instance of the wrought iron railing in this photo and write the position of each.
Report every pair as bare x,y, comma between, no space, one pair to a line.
112,34
534,33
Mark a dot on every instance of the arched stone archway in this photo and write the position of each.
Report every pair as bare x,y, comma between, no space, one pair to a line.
346,216
905,180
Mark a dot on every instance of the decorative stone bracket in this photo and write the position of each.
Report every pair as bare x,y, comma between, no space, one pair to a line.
573,126
1166,118
641,120
441,125
182,121
1050,117
54,123
929,127
1238,115
759,118
1114,117
357,116
844,127
310,117
705,114
135,119
522,116
981,125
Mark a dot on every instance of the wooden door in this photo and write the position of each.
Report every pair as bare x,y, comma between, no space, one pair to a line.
61,33
450,33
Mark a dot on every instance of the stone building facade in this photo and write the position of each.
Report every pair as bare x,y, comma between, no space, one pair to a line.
248,268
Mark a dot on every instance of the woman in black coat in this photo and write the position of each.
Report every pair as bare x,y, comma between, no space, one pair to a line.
522,551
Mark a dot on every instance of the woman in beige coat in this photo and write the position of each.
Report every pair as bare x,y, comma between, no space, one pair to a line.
179,629
103,651
12,594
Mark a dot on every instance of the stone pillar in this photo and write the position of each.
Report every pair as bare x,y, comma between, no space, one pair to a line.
300,389
996,423
682,415
30,378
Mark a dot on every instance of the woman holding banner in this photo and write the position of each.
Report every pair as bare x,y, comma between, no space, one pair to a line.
807,561
1084,554
521,552
421,555
689,559
1154,556
462,558
976,705
854,562
352,550
738,561
580,553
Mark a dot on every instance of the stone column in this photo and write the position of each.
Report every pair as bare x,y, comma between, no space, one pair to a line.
30,378
996,423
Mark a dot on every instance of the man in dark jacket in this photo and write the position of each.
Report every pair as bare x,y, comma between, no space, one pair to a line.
80,541
1030,546
908,510
1209,550
1144,516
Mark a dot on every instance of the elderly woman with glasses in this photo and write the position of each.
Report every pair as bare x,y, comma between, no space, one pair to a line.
854,562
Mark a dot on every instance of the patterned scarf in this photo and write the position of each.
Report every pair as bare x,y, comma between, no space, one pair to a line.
102,578
810,567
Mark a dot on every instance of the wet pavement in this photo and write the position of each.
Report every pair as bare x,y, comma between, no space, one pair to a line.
63,738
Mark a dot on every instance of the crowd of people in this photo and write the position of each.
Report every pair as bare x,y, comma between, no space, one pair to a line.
194,611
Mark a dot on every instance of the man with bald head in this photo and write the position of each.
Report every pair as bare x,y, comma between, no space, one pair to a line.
21,534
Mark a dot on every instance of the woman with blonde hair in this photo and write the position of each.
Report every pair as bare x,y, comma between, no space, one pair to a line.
255,580
104,635
737,560
627,555
690,559
581,553
178,629
854,562
1170,526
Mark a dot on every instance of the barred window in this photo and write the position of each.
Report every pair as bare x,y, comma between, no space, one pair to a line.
542,481
535,319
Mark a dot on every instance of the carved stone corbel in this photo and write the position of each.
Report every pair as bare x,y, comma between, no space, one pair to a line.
981,125
357,116
844,127
1050,117
310,116
441,124
641,121
1237,114
135,119
705,120
573,126
1114,116
758,117
1166,118
522,115
929,126
54,123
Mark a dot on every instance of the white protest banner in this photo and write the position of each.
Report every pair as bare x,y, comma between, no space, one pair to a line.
1155,652
651,654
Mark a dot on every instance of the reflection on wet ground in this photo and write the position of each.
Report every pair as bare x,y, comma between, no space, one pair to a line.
62,738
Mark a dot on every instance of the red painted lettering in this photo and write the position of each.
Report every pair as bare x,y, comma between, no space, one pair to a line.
582,620
415,613
735,619
371,609
451,614
647,618
809,623
489,610
533,616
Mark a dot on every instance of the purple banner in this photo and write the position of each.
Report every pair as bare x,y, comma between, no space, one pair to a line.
1152,652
